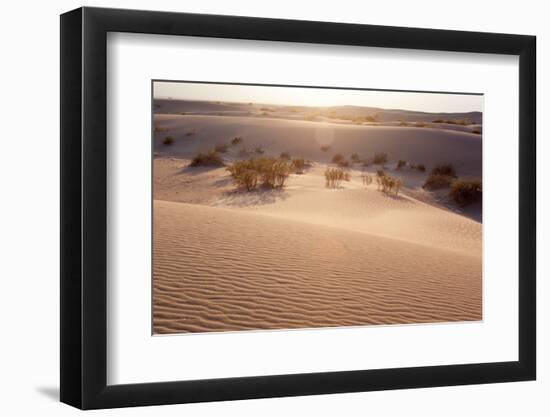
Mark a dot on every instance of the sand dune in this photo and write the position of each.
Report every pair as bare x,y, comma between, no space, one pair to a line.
303,138
308,256
223,270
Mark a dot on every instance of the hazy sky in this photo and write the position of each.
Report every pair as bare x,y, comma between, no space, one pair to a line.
428,102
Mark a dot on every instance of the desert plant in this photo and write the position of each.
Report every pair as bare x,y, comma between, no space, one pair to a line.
168,140
191,132
285,156
259,150
299,165
401,164
243,152
388,184
380,173
420,124
210,158
337,158
380,158
221,147
270,172
355,158
367,179
236,140
420,167
344,163
243,174
444,169
437,181
476,131
335,176
465,191
325,148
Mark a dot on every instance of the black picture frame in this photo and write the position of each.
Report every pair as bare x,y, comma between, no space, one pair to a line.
84,207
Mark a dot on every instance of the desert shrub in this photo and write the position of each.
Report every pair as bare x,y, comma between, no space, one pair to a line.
367,162
270,172
402,123
355,158
337,158
191,132
335,176
244,175
299,165
401,164
367,179
444,169
325,148
380,158
476,131
388,184
222,148
465,191
344,163
259,150
380,173
285,156
168,140
437,181
420,167
420,124
236,140
210,158
371,119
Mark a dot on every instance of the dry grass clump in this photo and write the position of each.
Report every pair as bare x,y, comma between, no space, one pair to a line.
168,140
380,158
210,159
325,148
465,191
401,164
335,176
388,184
337,158
444,169
221,147
437,181
269,172
285,156
476,131
420,124
462,122
419,167
236,140
344,164
367,179
355,158
259,150
299,165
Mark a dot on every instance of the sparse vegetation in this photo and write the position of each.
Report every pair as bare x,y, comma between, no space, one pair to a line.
191,132
259,150
380,158
325,148
236,140
271,172
380,173
335,176
401,164
437,181
476,131
419,167
168,140
367,179
337,158
221,147
285,156
299,165
465,191
388,184
444,169
420,124
344,164
461,122
243,152
210,158
355,158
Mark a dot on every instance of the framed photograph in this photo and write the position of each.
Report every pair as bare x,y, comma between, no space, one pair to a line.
260,208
